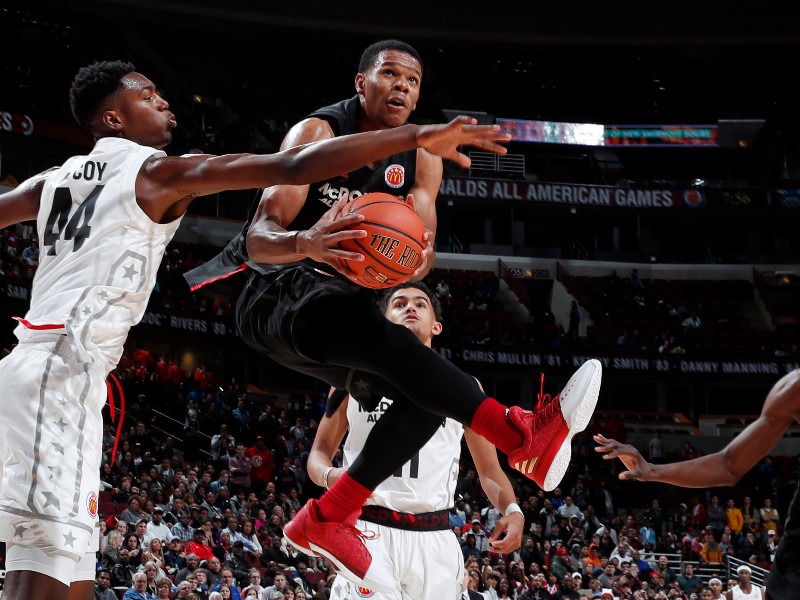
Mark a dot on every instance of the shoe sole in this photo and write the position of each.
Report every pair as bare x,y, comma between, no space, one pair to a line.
302,547
588,388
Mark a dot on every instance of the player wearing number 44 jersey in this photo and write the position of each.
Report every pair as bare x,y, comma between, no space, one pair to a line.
104,221
409,511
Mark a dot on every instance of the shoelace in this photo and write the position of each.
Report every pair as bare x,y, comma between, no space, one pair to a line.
546,405
541,398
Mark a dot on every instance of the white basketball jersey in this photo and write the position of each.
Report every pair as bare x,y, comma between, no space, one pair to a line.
99,251
755,593
427,482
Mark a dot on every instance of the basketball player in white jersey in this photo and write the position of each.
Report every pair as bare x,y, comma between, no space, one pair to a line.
104,221
409,511
746,589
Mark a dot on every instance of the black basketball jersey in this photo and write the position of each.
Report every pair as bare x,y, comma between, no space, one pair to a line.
394,175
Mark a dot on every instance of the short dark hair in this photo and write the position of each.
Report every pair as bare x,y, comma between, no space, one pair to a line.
101,571
371,52
93,84
383,303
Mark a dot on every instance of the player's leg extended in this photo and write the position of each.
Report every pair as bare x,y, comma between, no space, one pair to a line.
359,337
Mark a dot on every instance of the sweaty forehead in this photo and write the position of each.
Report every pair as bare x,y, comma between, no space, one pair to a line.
399,59
136,82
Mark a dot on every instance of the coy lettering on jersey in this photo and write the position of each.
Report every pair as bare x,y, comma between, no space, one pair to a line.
90,170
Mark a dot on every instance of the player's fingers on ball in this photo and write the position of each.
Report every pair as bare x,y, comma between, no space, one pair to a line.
346,255
344,223
335,237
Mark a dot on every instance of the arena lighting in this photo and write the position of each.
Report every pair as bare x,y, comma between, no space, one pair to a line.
727,133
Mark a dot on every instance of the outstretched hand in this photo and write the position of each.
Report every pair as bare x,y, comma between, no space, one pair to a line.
444,140
632,459
321,241
512,526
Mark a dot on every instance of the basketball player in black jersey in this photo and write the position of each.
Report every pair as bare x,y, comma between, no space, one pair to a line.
300,307
780,411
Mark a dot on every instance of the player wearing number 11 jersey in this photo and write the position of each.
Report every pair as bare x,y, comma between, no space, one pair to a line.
409,511
104,221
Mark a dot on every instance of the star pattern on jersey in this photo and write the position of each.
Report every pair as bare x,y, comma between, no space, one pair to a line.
130,272
361,384
60,424
103,294
86,310
59,448
51,500
19,530
62,401
55,471
69,539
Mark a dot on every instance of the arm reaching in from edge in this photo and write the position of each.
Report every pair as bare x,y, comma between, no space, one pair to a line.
726,467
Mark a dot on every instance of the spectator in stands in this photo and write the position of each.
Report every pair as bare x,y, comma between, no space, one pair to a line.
689,581
102,585
174,557
192,564
237,562
138,590
134,547
156,528
568,509
665,570
163,589
279,586
734,518
716,516
133,514
442,292
749,510
182,530
263,467
712,551
222,445
655,448
153,572
240,466
30,255
122,572
769,518
110,555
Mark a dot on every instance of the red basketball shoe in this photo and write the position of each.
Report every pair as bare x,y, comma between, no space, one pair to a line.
342,544
548,430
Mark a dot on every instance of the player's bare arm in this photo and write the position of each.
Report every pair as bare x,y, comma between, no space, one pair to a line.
507,534
427,180
268,240
728,466
167,185
22,203
330,433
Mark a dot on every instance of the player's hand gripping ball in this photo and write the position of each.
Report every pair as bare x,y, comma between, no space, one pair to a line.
395,240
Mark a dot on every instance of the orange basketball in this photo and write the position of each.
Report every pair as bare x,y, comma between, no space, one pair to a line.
395,240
